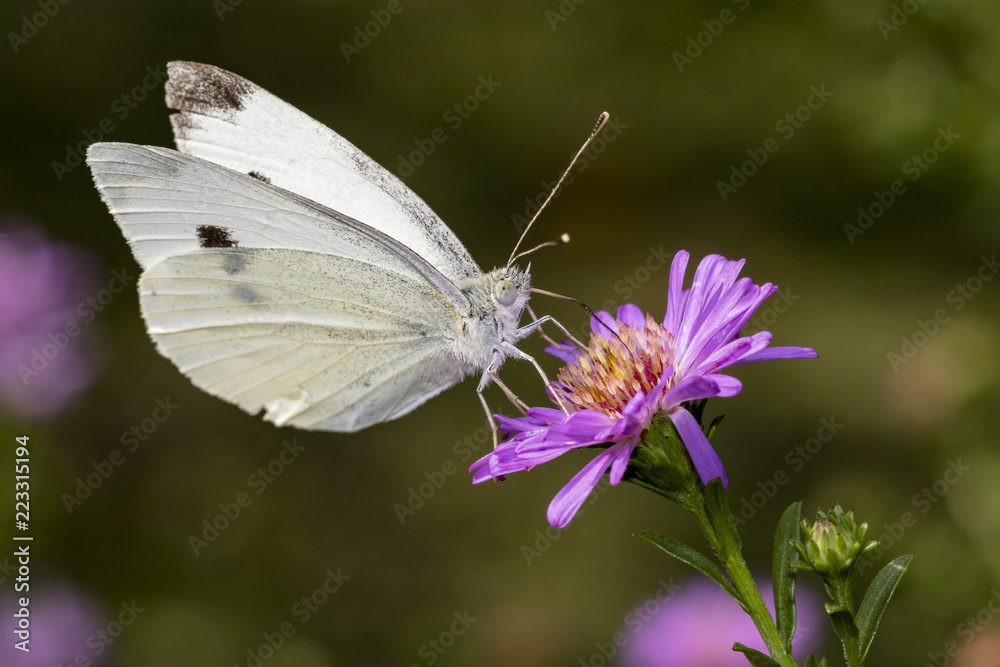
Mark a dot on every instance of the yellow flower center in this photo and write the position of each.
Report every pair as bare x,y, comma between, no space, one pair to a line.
614,369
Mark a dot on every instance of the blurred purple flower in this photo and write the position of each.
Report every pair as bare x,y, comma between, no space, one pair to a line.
43,363
698,626
635,368
62,615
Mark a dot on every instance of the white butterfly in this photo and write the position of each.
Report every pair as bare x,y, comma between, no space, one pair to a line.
285,270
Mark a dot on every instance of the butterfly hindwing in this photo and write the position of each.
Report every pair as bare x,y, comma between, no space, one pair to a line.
319,342
272,301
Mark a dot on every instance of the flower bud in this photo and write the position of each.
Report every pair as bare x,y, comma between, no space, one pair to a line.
832,545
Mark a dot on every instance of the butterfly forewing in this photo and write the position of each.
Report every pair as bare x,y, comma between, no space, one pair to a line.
230,121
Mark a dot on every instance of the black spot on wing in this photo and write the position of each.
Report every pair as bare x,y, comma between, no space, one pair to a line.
211,236
259,176
205,89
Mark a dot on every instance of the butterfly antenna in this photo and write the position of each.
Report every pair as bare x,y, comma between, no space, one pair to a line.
597,128
562,240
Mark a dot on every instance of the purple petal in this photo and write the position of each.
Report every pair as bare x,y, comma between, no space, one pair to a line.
709,322
606,322
706,460
631,315
546,415
772,353
675,292
620,463
730,353
689,389
727,385
565,351
583,425
566,503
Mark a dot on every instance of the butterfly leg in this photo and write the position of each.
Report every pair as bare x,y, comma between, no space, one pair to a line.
541,332
518,354
530,327
488,375
489,416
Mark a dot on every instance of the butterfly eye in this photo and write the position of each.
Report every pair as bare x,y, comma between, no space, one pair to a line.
504,292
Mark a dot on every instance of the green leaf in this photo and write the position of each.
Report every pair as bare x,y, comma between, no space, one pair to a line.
692,557
812,661
783,573
844,626
756,658
717,508
876,600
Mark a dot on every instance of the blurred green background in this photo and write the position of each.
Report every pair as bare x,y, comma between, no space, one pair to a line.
890,89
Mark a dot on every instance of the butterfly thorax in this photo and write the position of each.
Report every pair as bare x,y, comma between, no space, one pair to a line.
496,301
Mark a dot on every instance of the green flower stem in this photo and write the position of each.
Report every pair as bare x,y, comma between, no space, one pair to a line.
663,466
728,549
841,590
736,566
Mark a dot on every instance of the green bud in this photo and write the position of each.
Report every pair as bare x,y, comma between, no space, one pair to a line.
832,545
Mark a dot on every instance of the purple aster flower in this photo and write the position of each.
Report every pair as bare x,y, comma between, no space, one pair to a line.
698,626
635,368
44,360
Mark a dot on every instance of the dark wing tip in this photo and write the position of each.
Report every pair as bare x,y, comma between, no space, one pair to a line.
205,89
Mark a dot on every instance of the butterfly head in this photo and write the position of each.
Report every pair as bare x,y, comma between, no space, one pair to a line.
510,290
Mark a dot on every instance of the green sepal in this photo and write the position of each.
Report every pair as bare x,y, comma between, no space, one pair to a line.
756,658
877,599
661,463
783,572
710,431
813,661
694,558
